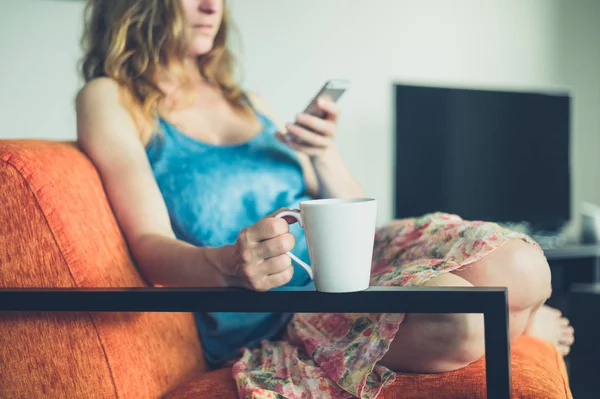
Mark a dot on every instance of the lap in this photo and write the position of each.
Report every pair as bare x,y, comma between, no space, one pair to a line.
348,347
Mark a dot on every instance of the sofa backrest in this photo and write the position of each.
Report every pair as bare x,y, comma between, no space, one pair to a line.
57,230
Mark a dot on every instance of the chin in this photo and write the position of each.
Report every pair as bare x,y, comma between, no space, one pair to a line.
201,46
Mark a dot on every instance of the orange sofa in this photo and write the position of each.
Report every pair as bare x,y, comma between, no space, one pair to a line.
57,230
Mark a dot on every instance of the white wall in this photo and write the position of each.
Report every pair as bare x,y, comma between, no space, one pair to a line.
39,50
292,47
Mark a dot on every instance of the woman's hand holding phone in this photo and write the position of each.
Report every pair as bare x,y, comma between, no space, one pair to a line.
310,134
314,129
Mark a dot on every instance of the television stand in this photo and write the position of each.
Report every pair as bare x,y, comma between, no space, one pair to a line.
574,263
576,292
570,265
573,251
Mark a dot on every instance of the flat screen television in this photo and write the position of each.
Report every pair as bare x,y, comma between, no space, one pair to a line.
491,155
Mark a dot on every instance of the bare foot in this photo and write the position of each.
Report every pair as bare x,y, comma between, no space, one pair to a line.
549,324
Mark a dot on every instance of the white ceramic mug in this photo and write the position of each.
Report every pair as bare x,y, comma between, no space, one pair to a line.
340,235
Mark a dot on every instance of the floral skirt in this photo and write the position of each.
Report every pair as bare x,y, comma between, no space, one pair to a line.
336,355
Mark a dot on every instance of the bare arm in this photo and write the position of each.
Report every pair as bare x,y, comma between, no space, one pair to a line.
335,179
108,135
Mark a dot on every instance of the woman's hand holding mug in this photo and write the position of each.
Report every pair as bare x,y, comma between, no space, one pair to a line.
258,260
339,233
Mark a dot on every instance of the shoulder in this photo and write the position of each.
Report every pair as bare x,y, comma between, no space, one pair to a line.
99,90
105,98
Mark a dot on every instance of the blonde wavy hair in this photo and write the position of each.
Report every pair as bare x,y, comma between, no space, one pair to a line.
134,41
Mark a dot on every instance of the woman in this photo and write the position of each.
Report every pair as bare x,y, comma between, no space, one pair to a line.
194,169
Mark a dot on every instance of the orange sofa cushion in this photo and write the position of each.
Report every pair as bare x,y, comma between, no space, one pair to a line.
57,230
538,371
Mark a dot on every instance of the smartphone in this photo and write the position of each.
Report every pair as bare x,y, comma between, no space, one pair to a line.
333,89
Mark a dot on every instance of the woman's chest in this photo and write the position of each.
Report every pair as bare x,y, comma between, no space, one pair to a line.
248,171
212,194
216,124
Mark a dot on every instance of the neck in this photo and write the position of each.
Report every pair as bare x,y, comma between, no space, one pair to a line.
176,87
192,71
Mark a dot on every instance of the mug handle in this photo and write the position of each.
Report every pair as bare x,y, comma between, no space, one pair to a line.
296,215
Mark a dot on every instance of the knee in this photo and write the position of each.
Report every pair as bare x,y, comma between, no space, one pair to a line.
531,272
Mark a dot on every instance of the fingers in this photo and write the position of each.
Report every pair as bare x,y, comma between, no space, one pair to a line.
276,265
271,273
331,109
323,127
260,254
279,279
272,281
312,135
276,246
265,229
305,149
308,138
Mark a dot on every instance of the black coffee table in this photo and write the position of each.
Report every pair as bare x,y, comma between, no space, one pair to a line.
492,302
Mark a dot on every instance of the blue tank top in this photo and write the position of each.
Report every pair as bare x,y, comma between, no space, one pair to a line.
214,191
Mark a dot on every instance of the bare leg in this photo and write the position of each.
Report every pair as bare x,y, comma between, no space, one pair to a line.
435,343
432,343
525,271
